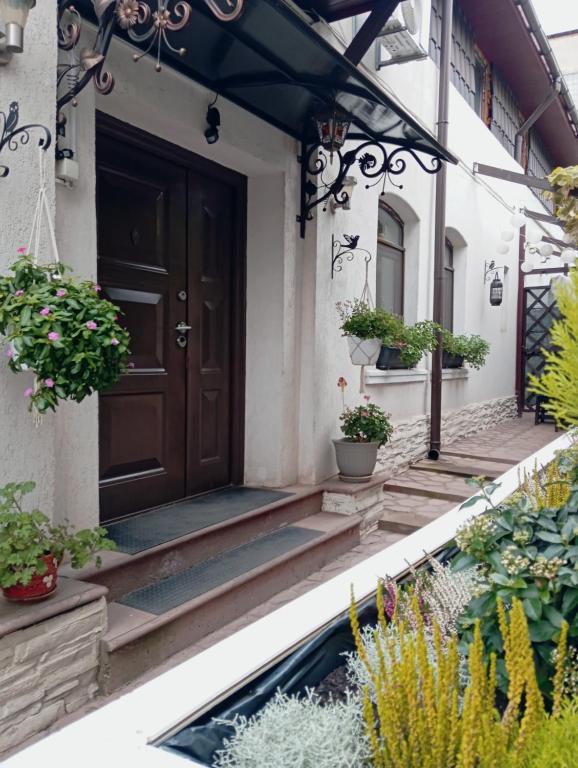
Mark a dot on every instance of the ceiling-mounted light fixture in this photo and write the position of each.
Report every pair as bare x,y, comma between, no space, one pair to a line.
332,127
13,18
213,119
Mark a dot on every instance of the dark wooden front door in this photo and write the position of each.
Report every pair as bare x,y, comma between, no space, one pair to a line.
170,255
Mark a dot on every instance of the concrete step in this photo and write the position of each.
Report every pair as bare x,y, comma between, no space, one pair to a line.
432,485
122,573
405,513
463,467
509,462
149,625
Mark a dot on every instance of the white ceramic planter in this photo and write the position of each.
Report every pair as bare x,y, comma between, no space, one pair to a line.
363,351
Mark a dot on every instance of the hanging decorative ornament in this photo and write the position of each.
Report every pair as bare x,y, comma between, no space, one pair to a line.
518,220
569,256
534,235
567,238
546,250
507,235
503,249
526,266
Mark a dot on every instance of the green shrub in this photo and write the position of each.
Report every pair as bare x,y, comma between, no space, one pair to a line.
359,319
473,349
411,340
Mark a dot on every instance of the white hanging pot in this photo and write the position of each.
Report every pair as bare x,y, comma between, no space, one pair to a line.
363,351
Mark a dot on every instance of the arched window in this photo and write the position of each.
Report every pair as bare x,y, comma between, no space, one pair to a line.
390,260
448,308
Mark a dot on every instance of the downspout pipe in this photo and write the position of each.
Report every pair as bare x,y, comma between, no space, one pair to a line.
440,227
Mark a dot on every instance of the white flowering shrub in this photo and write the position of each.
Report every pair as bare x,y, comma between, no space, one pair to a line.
297,732
447,594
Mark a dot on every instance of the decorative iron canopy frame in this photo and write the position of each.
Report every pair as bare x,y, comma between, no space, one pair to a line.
264,56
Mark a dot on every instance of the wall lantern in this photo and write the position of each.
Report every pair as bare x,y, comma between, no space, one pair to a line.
332,126
13,18
213,119
496,286
346,193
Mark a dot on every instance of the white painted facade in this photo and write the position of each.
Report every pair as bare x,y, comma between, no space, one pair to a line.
295,353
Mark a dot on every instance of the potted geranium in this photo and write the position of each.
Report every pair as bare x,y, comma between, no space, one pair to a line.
460,349
365,429
31,548
403,345
362,326
62,331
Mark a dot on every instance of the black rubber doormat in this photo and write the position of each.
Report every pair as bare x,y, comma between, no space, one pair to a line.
157,526
201,578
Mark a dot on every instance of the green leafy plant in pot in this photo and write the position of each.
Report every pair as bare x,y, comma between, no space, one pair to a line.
365,428
361,325
32,548
62,331
403,346
460,349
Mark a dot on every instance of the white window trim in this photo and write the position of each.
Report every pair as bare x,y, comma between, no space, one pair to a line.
376,377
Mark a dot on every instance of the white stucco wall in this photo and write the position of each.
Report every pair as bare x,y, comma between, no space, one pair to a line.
26,452
295,352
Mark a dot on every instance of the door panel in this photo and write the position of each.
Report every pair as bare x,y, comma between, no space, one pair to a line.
171,249
142,249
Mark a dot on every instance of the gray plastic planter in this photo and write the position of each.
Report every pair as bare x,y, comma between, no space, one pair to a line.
356,461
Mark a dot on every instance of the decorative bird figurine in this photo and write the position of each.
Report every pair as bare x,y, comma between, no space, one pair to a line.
351,241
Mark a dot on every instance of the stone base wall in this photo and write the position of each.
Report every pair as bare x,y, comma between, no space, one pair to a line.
411,438
409,444
48,670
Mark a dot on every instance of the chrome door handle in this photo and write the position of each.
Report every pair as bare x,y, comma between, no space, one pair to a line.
182,327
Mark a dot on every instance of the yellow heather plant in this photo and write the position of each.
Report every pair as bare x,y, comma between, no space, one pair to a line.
547,491
559,382
423,719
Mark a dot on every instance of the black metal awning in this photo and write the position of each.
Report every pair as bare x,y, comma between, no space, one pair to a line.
273,63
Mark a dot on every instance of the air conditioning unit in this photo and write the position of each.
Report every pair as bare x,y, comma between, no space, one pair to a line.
405,36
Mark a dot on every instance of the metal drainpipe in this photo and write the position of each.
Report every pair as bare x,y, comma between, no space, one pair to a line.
521,309
440,227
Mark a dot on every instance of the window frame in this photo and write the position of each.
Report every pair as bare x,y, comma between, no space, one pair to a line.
395,246
451,270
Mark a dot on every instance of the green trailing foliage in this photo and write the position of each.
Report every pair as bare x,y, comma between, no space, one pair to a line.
472,348
26,537
62,331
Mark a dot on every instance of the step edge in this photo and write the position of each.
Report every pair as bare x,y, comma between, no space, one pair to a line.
111,644
165,546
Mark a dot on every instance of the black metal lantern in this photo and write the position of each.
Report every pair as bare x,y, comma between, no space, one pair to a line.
496,291
332,127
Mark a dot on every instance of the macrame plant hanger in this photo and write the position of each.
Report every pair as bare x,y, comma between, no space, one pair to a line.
41,212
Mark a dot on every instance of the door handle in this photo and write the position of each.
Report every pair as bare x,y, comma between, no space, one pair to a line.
182,327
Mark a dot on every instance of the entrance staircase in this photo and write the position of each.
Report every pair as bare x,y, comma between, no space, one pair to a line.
168,596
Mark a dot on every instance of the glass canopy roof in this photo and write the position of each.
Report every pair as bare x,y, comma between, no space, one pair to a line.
271,62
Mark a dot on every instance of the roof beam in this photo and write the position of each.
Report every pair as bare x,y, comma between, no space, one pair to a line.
371,28
516,178
547,219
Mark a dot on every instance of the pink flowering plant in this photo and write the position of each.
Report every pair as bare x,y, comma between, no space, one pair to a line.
61,330
367,423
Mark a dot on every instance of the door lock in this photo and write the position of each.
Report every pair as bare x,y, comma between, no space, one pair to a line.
182,327
181,341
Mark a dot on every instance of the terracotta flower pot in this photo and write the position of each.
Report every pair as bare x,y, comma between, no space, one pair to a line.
356,461
41,586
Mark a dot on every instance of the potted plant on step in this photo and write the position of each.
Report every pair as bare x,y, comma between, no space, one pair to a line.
365,428
31,548
403,345
460,349
362,326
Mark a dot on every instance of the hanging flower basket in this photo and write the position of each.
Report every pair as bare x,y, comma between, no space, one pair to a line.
62,331
363,351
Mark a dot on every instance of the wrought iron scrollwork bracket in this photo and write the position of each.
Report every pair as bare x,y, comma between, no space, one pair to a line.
323,175
13,136
347,251
145,22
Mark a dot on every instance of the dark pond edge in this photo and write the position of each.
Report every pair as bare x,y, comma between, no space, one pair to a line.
305,668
